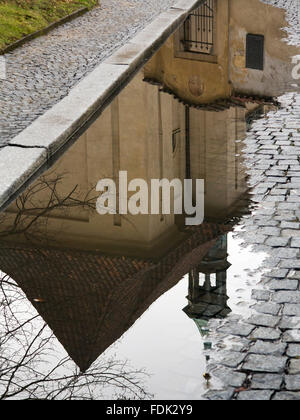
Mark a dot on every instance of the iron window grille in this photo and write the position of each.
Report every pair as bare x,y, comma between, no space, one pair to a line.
199,29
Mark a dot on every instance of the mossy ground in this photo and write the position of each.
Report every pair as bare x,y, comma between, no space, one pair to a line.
19,18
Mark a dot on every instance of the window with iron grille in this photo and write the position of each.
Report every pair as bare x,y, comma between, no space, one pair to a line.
199,29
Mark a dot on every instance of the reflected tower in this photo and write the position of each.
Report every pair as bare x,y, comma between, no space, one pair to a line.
207,294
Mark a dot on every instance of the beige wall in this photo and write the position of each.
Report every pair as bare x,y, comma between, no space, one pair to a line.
215,148
196,80
253,16
135,134
192,80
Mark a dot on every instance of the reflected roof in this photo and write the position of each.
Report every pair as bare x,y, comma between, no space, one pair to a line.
90,300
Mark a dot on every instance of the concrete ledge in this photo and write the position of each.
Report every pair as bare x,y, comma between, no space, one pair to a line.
17,165
53,128
66,121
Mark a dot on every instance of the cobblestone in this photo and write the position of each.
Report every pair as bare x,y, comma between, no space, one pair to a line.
289,323
283,284
292,382
255,395
268,348
42,72
266,381
261,295
267,308
262,363
294,367
242,330
266,334
287,297
287,396
292,336
293,350
291,310
264,320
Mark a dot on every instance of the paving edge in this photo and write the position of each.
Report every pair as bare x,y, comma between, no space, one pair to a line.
49,136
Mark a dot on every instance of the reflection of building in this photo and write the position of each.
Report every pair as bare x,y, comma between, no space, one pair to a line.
90,299
180,117
207,296
227,50
151,135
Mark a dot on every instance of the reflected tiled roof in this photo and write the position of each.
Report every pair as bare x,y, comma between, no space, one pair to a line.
237,99
88,299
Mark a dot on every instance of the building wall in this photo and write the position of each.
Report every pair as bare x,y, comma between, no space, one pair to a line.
255,17
134,134
216,142
193,80
200,80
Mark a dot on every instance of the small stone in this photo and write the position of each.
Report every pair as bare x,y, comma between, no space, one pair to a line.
269,231
291,310
261,363
266,381
293,350
294,367
242,330
294,275
287,396
289,323
255,396
268,348
295,243
287,297
292,336
286,253
221,395
279,273
290,225
264,320
261,295
232,359
267,308
229,377
290,233
277,242
266,334
283,284
292,382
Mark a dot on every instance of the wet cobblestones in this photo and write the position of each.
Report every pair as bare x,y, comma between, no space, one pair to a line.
41,73
270,361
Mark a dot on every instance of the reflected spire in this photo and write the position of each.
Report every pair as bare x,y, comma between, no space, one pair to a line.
207,295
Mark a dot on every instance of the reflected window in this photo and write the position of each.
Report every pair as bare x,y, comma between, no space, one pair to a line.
199,29
175,138
255,51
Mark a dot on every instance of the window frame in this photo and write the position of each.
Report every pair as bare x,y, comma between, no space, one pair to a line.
180,51
249,58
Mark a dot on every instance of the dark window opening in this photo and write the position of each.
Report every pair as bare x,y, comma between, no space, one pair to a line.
255,52
199,29
175,137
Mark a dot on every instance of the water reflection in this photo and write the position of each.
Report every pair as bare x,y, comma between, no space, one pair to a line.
209,299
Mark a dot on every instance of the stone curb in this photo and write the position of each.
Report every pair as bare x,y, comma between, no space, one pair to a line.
63,124
44,31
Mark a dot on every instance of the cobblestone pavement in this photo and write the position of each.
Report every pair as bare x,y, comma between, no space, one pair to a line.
258,358
43,71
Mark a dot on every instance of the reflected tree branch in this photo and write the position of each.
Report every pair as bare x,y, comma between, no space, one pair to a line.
32,364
